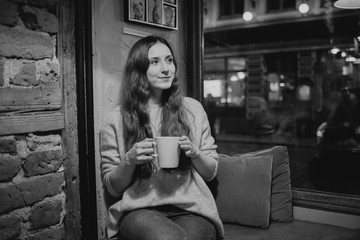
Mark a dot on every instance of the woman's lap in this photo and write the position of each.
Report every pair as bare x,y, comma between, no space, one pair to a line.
166,223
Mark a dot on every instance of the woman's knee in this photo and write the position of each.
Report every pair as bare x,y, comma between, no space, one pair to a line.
173,234
150,224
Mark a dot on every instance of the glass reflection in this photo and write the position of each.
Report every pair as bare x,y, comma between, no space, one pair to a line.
289,80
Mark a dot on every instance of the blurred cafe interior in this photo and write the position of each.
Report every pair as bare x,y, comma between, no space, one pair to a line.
287,72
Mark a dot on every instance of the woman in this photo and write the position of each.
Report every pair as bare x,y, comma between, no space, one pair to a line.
154,203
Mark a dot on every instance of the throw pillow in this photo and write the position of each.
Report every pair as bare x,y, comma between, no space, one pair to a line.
281,196
244,190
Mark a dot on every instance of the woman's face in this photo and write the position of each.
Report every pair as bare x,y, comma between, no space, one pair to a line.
161,69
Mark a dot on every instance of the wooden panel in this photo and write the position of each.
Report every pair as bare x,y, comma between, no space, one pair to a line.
40,98
30,122
66,50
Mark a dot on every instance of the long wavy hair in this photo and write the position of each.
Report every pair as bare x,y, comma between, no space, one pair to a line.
135,97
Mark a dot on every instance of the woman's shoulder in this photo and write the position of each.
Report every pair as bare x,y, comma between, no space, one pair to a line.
113,114
113,118
194,108
192,103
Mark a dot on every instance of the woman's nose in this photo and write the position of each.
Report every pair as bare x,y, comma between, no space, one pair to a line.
164,67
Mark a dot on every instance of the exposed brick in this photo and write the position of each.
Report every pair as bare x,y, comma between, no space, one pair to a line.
48,70
2,72
9,167
10,227
10,197
39,19
20,42
37,188
8,13
49,234
8,146
37,163
35,142
45,214
26,76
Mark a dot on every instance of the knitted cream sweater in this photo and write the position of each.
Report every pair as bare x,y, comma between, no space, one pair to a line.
186,190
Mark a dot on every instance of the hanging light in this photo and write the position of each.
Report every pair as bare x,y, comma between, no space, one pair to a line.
304,8
347,4
248,16
334,50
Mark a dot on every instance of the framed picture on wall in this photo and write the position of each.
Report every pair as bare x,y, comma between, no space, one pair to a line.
155,12
169,16
137,11
158,13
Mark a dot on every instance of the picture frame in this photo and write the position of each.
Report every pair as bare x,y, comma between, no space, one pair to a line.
157,13
137,10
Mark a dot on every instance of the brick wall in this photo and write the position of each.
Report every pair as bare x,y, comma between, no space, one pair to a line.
32,194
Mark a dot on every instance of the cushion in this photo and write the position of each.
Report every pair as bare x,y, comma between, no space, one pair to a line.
281,196
244,190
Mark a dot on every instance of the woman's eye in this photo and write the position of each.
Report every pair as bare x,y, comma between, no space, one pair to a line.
154,61
170,60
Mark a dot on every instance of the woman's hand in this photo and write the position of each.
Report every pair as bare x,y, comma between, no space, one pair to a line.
191,150
141,152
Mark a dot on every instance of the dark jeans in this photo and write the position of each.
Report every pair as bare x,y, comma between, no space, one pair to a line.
165,223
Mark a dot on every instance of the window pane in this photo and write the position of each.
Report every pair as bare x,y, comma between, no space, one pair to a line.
238,6
225,7
236,89
214,65
236,64
289,87
288,4
214,88
273,5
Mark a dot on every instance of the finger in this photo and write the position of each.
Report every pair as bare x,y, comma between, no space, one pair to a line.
185,147
145,144
145,151
183,138
145,158
148,140
188,153
186,141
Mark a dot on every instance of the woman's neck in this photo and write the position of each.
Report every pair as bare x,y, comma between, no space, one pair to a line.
155,97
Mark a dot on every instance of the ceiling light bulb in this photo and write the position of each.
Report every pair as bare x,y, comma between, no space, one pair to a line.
334,50
304,8
241,75
247,16
350,59
234,78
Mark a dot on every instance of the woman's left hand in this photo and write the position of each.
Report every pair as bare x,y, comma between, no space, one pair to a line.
191,150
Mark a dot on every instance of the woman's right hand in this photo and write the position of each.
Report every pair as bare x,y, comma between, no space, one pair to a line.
141,152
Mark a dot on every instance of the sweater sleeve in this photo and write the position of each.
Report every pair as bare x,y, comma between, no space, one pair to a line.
202,131
208,144
110,152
